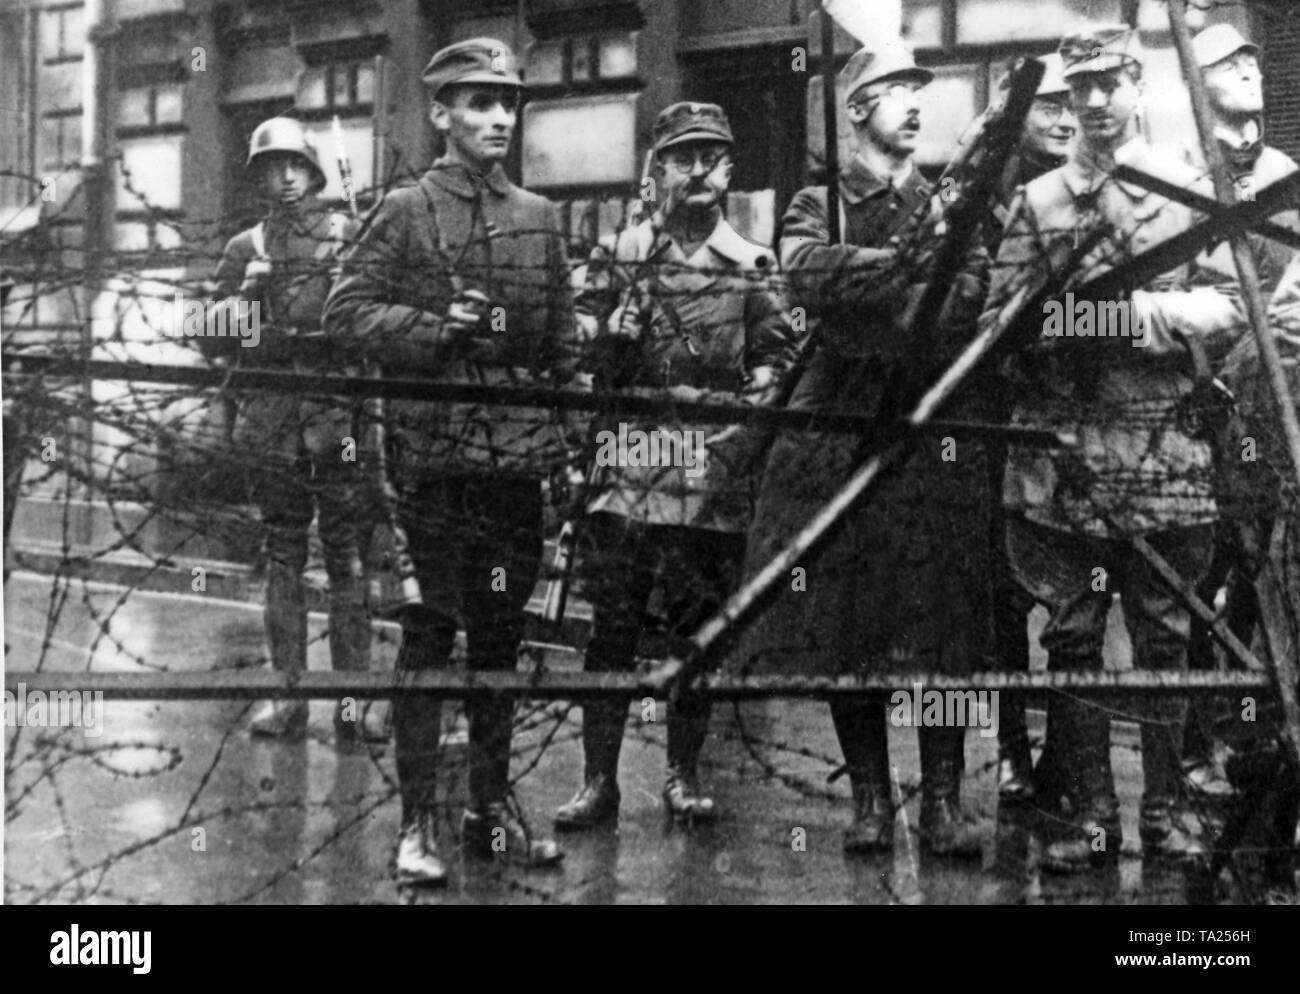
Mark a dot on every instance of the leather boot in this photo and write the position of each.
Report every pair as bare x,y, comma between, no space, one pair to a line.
596,803
494,832
1160,817
1015,762
417,720
863,735
872,828
1092,834
1163,833
417,852
1092,837
688,727
1050,781
285,617
946,829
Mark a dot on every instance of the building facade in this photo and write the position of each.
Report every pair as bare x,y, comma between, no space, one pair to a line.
124,128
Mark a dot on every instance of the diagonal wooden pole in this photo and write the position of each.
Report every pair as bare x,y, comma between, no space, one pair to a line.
1284,666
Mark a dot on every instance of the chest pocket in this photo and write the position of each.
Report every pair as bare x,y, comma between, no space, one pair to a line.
698,328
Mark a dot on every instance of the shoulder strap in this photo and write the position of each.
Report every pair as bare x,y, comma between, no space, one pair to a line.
258,234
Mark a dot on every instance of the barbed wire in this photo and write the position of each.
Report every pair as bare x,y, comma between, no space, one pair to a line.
165,465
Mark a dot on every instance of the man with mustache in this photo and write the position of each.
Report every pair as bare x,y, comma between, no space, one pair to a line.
687,309
906,580
1141,469
284,264
462,277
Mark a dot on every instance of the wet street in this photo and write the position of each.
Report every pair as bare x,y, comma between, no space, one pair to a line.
174,802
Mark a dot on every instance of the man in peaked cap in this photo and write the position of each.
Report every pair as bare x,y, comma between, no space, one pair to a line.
1234,86
686,307
906,581
462,277
1046,143
1141,469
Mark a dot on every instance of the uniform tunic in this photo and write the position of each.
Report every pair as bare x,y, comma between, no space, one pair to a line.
1145,465
449,232
712,319
905,580
302,247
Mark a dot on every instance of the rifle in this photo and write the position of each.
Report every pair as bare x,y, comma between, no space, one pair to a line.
561,572
410,596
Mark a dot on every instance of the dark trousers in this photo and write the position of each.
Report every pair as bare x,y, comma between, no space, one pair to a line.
697,570
1059,568
1233,565
288,495
477,547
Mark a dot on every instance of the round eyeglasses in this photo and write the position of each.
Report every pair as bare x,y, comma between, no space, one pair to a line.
683,160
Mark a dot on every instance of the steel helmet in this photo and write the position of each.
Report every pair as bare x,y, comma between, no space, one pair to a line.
284,134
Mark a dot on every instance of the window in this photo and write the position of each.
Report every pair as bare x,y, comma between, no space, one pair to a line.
150,176
341,87
358,141
999,21
153,106
583,60
559,136
63,33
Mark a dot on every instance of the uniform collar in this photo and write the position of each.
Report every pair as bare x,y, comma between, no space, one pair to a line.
724,241
303,218
727,242
858,182
1084,173
464,182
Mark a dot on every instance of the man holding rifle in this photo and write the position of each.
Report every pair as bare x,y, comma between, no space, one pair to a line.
463,277
685,309
1141,469
285,265
906,580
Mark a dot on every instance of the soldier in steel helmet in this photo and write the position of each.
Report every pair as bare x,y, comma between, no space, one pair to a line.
275,276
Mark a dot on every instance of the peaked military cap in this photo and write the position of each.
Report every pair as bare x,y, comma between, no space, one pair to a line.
478,60
689,122
890,59
1100,50
1219,41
